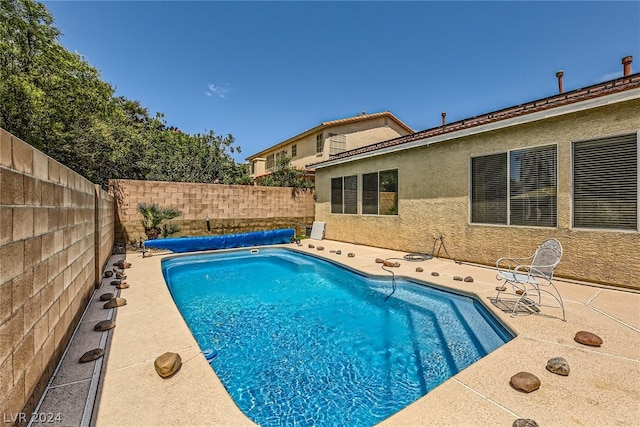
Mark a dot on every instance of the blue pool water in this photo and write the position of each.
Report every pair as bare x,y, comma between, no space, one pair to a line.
304,342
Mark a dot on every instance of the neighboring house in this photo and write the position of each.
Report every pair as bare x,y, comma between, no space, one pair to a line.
499,184
328,139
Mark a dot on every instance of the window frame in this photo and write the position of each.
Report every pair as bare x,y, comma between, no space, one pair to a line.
343,196
294,151
508,189
397,192
319,144
572,202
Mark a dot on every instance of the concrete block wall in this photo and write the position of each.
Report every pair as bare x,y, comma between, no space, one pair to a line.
230,208
48,264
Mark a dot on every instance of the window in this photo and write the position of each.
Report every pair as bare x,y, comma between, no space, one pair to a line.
527,197
294,151
380,193
605,183
319,144
337,143
280,155
270,162
344,195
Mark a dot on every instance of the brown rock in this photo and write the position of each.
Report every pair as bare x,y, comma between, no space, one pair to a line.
105,325
338,252
379,260
115,302
167,364
468,279
435,273
351,254
501,288
458,278
108,274
419,269
107,296
320,248
115,282
525,381
588,338
311,246
120,276
123,285
91,355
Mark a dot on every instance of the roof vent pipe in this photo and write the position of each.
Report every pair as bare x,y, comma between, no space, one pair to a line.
626,66
444,118
559,75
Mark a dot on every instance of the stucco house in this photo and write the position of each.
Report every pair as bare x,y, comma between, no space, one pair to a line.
327,139
500,183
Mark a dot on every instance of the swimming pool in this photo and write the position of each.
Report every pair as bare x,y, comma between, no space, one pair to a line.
302,341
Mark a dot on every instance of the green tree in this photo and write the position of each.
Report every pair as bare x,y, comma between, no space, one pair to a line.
285,175
154,215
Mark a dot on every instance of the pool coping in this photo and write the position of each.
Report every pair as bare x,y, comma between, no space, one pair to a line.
602,385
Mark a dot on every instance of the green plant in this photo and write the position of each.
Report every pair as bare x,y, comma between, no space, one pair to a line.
170,228
152,217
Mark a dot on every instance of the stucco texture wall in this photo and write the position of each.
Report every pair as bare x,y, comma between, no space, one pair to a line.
48,265
434,183
230,208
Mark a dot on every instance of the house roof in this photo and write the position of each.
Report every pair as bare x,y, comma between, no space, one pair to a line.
514,113
357,118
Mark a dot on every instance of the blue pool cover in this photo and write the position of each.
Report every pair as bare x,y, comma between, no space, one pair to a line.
226,241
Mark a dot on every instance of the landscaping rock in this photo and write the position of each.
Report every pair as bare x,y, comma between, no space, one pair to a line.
320,248
419,269
588,338
167,364
338,252
120,276
115,302
332,251
115,282
351,254
468,279
123,285
501,288
435,273
558,365
107,296
105,325
524,422
108,274
92,355
379,260
122,264
525,381
458,278
311,246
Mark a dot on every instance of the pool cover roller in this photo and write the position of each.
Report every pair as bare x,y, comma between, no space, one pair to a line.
226,241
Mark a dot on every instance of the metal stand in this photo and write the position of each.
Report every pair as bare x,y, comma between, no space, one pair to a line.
441,246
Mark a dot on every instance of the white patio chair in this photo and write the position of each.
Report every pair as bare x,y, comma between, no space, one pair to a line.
529,278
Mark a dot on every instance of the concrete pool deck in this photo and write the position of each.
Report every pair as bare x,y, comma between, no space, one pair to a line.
602,389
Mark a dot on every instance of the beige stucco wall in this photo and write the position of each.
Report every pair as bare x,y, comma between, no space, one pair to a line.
434,186
230,208
50,257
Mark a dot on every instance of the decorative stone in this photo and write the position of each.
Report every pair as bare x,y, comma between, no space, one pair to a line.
435,273
105,325
379,260
120,276
107,296
108,274
519,291
338,252
123,285
419,269
458,278
351,254
588,338
115,282
558,365
311,246
115,302
525,381
524,422
332,251
167,364
501,288
320,248
122,264
92,355
468,279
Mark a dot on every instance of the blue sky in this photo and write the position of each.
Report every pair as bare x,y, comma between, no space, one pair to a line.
266,71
